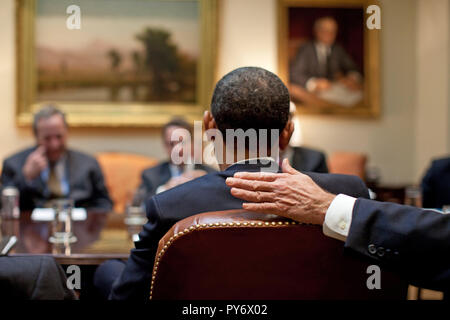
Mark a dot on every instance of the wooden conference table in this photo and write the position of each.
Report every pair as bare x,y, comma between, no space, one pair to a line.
100,237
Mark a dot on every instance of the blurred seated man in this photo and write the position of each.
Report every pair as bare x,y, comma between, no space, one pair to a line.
167,174
246,103
50,170
303,158
436,184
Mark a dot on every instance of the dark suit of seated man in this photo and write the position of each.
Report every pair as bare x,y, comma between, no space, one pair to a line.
436,184
167,174
246,98
306,159
50,170
33,278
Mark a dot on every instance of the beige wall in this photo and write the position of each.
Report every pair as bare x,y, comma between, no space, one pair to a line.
432,97
248,37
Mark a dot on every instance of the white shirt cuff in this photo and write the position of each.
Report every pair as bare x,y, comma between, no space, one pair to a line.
339,217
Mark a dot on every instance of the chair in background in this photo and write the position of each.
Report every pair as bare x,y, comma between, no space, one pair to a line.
348,163
241,255
122,173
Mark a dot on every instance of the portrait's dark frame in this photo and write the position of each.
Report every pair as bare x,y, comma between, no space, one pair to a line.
352,12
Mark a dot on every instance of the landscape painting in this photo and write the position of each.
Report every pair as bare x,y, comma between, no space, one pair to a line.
139,56
125,51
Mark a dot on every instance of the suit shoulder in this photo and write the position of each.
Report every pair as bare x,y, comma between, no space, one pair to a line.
306,47
441,163
341,183
154,169
207,180
207,168
190,190
82,156
309,151
18,156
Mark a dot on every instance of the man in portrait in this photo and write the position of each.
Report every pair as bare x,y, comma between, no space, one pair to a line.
322,67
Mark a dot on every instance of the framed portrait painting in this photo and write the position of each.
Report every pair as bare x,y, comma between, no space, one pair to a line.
328,57
106,63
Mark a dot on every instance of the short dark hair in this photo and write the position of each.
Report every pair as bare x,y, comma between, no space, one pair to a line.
250,98
176,122
46,112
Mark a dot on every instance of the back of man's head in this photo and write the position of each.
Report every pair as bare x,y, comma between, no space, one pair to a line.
176,122
250,97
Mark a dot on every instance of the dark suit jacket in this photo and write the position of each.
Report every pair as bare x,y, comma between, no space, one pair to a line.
86,183
436,184
33,278
306,64
207,193
412,241
158,175
309,160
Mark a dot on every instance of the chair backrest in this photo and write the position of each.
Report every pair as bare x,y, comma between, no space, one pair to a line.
348,163
122,173
242,255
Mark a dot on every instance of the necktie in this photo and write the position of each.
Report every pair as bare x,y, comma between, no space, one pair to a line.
54,184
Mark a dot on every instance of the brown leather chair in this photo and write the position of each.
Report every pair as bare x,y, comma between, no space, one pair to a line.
352,163
123,175
242,255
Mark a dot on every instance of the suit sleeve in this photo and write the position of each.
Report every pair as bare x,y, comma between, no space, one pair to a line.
100,195
12,176
299,73
322,166
134,282
147,184
346,62
414,242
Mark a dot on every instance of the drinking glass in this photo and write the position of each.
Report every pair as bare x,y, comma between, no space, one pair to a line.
62,222
135,218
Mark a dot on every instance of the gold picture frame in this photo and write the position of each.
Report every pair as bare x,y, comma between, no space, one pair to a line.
369,105
112,114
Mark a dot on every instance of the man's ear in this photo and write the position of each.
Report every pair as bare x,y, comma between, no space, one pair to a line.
286,135
208,121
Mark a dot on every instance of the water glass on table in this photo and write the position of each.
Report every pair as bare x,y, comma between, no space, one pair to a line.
62,221
135,218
